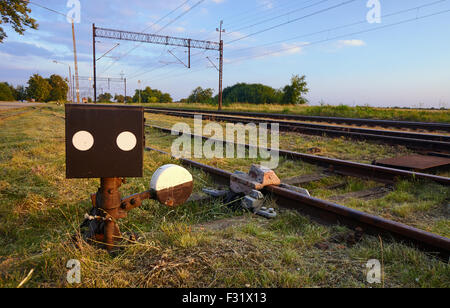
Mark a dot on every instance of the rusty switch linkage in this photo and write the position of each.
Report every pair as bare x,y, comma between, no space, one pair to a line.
101,224
108,207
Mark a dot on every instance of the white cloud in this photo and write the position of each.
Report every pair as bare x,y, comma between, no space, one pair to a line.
290,49
352,43
179,29
268,4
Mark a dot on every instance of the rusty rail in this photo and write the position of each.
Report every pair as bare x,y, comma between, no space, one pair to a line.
326,212
372,172
427,142
428,126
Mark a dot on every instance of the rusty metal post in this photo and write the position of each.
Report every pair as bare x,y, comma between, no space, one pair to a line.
108,201
220,30
95,64
220,75
189,53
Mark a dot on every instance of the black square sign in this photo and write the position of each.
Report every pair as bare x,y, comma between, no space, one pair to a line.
104,141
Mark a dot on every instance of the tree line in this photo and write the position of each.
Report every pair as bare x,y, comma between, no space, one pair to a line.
292,94
55,88
40,89
148,95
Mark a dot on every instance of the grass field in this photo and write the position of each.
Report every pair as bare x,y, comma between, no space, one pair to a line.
363,112
195,245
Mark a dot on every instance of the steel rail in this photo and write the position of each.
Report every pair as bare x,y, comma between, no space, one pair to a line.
412,135
331,131
429,126
428,137
326,212
349,168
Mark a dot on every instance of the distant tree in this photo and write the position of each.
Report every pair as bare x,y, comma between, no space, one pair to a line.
105,98
149,95
252,93
21,93
13,91
5,92
128,100
200,95
38,88
59,88
15,13
137,96
165,98
293,94
119,98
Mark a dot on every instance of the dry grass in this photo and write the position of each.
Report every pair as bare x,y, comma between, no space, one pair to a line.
342,148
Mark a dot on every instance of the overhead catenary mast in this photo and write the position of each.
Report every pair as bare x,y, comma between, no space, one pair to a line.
160,40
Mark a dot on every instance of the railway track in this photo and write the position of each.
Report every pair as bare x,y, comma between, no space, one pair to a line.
427,126
416,141
365,171
326,212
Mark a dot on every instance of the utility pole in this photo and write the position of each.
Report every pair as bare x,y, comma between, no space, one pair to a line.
139,82
76,62
95,64
220,30
122,76
189,53
70,96
73,88
125,81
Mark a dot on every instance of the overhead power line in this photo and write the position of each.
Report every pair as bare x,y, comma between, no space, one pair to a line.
328,39
256,13
45,8
268,10
279,16
167,15
294,20
364,21
159,30
181,15
343,36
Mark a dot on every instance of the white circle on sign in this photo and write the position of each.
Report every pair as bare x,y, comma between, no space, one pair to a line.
126,141
83,141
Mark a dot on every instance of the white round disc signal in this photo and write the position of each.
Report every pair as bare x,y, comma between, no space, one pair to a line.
126,141
172,185
83,141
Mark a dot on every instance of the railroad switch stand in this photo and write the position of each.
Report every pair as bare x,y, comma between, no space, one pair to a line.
107,142
171,185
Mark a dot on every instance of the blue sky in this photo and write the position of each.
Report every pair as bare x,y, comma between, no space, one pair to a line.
375,64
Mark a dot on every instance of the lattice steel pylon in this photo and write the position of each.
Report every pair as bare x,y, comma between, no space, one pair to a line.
160,40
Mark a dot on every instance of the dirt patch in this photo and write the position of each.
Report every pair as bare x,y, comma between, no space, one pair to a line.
223,223
367,194
16,105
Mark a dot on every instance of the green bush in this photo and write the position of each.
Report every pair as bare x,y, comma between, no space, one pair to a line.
6,93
